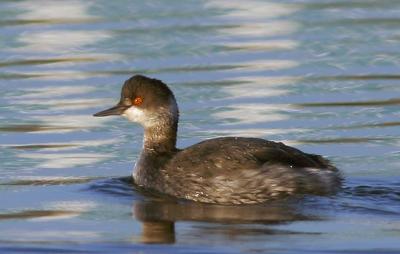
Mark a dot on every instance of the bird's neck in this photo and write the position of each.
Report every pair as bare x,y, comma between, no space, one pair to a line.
161,138
159,144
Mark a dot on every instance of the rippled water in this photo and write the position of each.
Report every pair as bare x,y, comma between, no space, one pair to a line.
322,76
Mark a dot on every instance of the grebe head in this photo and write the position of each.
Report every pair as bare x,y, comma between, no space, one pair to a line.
146,101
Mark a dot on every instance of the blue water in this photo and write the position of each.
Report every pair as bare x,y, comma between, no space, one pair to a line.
322,76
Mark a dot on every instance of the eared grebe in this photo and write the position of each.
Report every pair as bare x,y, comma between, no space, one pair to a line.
229,170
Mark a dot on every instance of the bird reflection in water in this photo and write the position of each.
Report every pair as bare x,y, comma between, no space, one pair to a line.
158,232
158,214
158,218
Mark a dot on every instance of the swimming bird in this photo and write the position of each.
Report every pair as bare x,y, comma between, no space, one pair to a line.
226,170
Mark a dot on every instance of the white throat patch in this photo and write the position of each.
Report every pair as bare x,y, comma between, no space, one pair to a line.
148,119
135,114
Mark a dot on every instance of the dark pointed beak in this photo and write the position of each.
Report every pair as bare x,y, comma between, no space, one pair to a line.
116,110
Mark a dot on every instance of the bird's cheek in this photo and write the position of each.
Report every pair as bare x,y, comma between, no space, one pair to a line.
135,114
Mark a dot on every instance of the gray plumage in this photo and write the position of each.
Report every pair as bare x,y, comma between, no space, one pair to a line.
230,170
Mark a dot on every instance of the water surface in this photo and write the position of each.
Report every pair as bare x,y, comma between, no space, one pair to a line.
322,76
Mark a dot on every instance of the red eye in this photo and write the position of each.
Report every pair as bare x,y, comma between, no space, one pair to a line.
137,101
